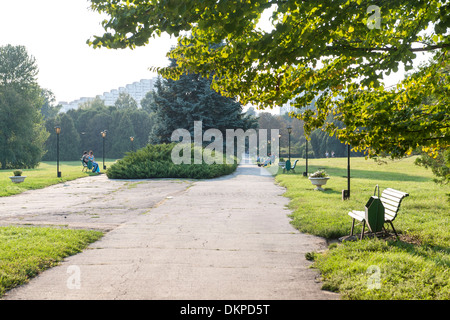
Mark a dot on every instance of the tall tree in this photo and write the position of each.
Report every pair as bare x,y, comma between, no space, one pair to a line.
142,122
125,101
49,109
93,118
69,139
119,135
22,131
178,104
314,49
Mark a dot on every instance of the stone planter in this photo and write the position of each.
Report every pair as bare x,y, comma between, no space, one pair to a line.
17,179
319,182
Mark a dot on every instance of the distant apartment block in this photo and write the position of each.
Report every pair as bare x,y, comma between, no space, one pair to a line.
137,90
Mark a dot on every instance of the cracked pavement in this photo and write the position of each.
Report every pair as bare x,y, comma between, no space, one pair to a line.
224,238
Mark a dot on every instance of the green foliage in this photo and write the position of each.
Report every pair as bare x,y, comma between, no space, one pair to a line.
22,131
319,174
337,52
178,104
69,139
416,267
120,132
125,101
440,165
17,173
319,141
48,109
154,161
80,130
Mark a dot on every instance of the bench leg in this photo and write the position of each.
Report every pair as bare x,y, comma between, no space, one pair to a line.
362,232
390,222
353,226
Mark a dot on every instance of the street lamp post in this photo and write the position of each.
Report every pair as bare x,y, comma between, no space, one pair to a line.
132,144
348,170
305,174
103,133
58,131
289,129
346,193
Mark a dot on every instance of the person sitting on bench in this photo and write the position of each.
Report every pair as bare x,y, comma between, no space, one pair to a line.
95,167
85,157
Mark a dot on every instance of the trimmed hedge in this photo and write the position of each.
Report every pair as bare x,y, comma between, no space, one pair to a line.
154,161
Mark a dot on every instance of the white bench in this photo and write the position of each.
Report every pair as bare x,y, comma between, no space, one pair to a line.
391,200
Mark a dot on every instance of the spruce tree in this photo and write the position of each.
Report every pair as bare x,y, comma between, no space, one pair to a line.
178,104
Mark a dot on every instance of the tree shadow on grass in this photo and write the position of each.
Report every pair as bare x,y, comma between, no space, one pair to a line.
365,174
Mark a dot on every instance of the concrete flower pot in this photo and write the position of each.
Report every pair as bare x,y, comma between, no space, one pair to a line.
17,179
319,182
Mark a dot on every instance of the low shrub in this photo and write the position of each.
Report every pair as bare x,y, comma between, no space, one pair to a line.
154,161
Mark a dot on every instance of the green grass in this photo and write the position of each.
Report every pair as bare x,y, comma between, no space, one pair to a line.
43,176
416,267
26,251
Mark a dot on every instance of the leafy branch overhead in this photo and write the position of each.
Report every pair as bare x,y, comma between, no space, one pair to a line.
337,52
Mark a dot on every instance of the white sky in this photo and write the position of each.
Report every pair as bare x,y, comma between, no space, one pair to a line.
55,33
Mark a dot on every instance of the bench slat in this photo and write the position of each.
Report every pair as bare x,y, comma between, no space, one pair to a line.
395,193
391,197
392,208
389,215
358,215
390,202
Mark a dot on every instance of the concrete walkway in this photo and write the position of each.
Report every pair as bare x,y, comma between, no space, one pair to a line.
226,238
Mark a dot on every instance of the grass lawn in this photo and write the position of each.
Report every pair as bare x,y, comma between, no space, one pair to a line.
416,267
26,251
44,176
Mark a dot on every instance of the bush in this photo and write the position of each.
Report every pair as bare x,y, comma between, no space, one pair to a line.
154,161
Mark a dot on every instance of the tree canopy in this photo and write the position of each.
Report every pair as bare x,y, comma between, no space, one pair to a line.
337,52
22,131
178,104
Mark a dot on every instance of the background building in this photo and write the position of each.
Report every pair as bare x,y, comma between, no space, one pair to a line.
137,90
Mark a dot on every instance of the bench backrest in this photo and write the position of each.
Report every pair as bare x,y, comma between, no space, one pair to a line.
295,162
391,200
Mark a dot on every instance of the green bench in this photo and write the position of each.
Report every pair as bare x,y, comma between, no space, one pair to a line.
287,166
86,166
391,200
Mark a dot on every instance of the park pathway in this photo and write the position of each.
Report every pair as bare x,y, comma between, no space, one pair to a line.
225,238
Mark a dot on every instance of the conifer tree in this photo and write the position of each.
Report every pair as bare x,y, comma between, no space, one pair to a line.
179,103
